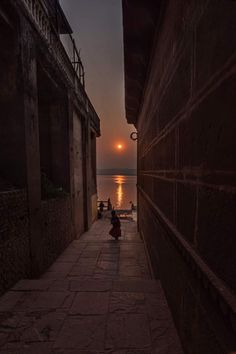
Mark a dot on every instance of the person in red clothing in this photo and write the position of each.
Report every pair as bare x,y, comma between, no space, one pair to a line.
115,230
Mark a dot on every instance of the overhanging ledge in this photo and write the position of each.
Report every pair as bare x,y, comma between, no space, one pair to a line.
139,23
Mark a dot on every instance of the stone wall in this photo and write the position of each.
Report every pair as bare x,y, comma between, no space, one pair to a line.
186,149
79,173
14,238
56,228
94,200
56,233
12,144
38,92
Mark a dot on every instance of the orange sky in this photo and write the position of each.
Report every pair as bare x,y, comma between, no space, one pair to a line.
97,26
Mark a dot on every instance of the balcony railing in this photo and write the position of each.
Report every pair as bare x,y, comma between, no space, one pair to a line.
74,55
40,16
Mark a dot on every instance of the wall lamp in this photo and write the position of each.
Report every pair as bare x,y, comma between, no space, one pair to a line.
134,136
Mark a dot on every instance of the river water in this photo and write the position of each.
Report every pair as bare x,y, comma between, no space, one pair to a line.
119,188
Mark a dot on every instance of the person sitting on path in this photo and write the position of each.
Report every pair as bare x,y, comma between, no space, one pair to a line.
132,206
101,206
115,230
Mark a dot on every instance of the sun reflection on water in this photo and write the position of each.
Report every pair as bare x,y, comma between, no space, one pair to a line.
119,188
119,180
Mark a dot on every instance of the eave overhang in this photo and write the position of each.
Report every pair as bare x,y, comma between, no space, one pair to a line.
139,24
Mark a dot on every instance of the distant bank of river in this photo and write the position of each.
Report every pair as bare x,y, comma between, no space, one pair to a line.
120,189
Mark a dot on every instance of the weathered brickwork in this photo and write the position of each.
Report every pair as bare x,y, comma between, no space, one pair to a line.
56,233
14,238
56,228
187,166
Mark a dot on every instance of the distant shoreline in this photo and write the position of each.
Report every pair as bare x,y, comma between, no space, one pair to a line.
112,172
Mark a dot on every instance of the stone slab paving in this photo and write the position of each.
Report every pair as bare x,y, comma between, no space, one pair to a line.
97,298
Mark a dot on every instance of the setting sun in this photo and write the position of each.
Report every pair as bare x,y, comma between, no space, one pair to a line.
119,146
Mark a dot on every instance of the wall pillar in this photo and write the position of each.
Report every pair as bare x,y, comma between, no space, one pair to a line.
71,158
87,142
32,154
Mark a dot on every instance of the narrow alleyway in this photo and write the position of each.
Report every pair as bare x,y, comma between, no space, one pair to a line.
98,297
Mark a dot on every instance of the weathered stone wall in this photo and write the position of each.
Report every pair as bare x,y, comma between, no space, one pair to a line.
56,233
53,126
94,200
186,149
79,173
12,144
14,238
56,228
39,89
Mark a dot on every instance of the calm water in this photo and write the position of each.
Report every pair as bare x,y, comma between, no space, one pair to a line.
121,190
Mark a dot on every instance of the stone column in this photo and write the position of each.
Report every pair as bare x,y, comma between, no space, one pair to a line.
87,142
71,156
32,154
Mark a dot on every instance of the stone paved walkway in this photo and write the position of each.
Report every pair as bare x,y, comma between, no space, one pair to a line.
97,298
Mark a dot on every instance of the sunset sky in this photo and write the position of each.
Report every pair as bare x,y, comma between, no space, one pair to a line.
97,26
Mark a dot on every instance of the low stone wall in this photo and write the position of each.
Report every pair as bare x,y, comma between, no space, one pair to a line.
14,238
56,232
56,228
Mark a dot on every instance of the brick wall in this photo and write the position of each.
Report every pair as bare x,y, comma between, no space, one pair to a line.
14,238
56,232
56,229
186,149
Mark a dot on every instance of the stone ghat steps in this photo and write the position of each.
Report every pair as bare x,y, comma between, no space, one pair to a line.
98,297
86,316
